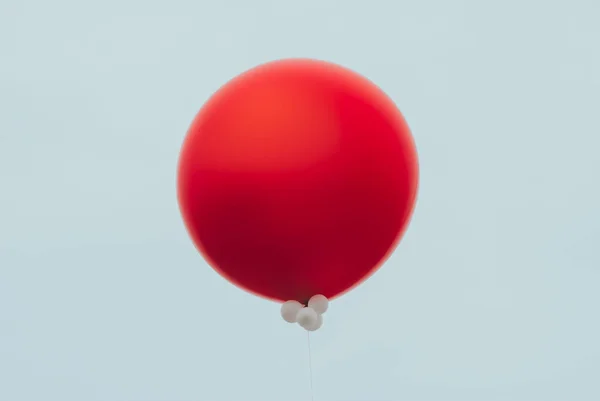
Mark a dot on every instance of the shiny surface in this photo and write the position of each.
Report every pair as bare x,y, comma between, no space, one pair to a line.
297,178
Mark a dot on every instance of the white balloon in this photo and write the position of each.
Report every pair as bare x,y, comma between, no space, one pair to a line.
307,317
317,325
319,303
289,310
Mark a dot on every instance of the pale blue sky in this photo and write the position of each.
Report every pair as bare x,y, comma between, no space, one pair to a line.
492,296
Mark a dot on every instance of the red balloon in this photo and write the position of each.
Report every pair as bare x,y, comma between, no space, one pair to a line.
296,178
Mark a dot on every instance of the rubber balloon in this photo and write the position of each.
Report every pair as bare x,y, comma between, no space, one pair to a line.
289,311
319,303
297,177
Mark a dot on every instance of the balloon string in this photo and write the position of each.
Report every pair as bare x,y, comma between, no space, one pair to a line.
312,394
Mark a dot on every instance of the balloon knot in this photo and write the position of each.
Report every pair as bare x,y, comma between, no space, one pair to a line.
308,315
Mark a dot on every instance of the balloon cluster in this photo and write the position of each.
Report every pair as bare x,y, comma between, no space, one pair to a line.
309,317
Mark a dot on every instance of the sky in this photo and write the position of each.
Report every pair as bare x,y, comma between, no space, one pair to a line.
492,295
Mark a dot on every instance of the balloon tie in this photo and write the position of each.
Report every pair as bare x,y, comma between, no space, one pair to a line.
310,372
310,317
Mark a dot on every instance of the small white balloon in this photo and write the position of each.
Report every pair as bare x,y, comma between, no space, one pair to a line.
319,303
317,325
289,310
307,317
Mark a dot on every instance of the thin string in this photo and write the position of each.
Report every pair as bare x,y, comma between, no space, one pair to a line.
312,394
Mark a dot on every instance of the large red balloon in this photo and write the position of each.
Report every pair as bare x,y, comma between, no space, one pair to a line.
296,178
